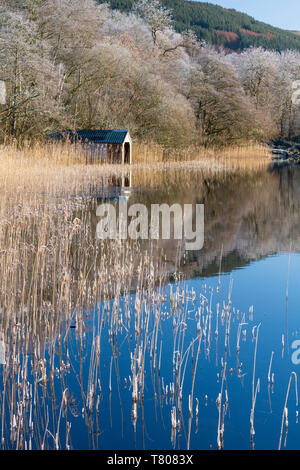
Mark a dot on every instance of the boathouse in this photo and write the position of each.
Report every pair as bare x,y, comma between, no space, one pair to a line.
114,146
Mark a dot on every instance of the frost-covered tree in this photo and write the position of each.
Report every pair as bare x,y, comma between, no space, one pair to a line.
79,64
31,78
267,78
157,16
222,109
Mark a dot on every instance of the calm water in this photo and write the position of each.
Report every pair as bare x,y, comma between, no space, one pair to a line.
251,253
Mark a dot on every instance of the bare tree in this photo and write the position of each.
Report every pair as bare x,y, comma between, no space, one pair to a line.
158,17
223,111
30,77
79,64
267,78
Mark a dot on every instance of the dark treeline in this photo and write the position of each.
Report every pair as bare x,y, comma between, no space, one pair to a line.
209,20
79,64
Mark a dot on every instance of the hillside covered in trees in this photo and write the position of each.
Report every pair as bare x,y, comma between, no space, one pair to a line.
78,64
216,25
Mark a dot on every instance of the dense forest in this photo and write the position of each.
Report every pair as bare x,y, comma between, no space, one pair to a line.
78,64
216,25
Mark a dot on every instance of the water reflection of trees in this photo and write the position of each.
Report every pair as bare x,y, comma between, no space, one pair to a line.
251,217
247,216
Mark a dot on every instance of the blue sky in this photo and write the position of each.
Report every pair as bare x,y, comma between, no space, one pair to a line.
281,13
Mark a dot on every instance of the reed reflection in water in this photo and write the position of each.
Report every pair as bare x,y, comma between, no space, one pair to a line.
127,344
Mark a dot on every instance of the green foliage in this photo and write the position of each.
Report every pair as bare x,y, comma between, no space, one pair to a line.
206,19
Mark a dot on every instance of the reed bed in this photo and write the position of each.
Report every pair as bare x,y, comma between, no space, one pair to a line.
248,157
51,154
245,156
69,303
